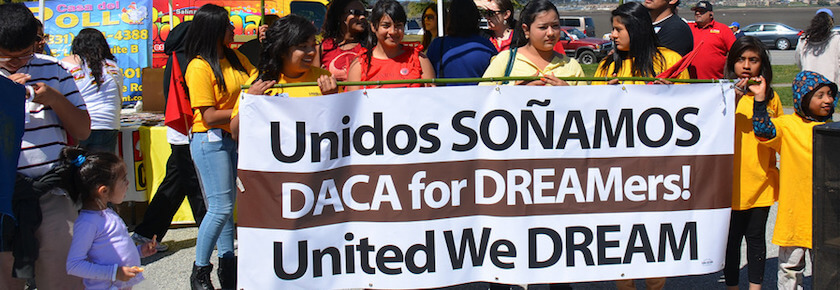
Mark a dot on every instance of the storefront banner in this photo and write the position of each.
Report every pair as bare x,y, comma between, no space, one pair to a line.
125,24
244,16
429,187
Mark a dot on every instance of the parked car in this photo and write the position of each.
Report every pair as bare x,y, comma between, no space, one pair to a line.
582,23
412,27
587,50
774,34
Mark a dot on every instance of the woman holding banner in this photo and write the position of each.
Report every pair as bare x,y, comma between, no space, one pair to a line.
390,59
532,51
345,35
100,82
636,52
287,58
214,76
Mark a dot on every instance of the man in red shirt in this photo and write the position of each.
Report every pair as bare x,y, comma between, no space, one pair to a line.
713,40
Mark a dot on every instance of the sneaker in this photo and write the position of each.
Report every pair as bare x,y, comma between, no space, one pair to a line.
138,239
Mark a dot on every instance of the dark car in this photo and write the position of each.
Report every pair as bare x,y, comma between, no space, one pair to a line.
587,50
774,34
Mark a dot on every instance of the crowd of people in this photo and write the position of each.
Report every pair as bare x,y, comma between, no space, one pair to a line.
57,246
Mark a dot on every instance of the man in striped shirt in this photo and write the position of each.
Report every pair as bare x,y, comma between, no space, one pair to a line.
56,109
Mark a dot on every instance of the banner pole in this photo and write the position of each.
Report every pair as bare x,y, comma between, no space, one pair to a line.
439,18
41,12
492,79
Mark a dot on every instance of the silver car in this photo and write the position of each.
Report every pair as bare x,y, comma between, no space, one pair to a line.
774,34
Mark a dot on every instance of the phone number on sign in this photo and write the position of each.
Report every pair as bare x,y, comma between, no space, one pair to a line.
129,34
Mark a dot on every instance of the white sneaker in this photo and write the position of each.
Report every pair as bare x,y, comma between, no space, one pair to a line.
138,239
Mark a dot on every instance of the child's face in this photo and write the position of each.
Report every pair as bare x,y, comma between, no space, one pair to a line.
12,61
388,32
620,35
544,32
120,186
822,102
299,57
748,65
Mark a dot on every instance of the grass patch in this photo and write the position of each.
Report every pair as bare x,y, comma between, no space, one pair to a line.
785,95
589,69
784,74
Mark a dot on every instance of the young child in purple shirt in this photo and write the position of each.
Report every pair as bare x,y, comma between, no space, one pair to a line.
102,253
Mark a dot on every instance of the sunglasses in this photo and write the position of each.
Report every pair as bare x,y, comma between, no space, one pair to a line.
490,13
429,17
357,12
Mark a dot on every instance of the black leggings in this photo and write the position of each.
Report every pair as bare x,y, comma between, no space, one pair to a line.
749,224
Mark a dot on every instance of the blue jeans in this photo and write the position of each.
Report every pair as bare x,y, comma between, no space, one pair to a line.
101,141
216,165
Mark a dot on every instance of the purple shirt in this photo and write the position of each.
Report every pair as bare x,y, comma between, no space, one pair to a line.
100,245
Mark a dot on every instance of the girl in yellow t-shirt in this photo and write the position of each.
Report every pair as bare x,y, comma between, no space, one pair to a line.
640,57
533,52
214,76
636,52
287,58
755,179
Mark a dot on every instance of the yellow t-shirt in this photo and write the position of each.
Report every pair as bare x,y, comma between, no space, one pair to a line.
794,142
671,57
560,66
296,92
204,92
756,179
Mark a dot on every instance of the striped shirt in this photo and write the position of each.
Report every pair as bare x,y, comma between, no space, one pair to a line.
44,136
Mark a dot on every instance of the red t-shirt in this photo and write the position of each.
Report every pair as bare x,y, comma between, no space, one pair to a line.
405,66
717,38
502,45
336,60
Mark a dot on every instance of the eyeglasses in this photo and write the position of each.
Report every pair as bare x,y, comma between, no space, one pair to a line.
490,13
357,12
24,58
429,17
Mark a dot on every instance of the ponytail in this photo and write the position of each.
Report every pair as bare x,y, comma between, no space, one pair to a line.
89,171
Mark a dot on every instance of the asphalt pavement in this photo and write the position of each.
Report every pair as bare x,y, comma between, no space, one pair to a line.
782,57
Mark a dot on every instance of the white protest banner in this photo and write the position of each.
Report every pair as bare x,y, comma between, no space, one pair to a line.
429,187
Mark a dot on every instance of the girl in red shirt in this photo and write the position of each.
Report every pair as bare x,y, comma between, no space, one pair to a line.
389,59
345,34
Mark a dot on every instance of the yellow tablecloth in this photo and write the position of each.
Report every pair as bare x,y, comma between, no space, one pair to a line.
156,150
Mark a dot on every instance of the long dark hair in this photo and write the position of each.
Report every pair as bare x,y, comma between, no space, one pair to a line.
750,43
463,18
427,35
90,45
333,21
209,26
384,7
90,170
820,28
643,42
527,16
287,32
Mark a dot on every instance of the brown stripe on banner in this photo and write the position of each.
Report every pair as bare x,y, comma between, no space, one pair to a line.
708,187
